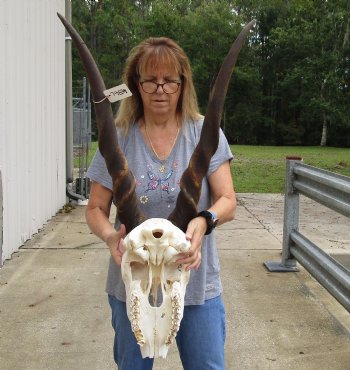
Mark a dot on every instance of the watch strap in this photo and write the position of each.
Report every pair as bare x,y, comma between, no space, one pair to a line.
211,219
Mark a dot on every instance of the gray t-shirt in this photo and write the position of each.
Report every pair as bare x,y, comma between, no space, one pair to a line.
157,187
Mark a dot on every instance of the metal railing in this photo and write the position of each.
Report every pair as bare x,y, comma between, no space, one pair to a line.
331,190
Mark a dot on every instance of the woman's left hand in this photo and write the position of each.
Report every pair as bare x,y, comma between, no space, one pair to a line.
195,233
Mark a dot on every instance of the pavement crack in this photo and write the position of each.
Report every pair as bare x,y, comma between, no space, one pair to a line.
40,301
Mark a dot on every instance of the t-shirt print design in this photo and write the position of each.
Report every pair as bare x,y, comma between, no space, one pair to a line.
158,179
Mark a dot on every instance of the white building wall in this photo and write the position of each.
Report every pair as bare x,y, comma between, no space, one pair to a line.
32,117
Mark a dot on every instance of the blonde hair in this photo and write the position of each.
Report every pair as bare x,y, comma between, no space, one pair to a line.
154,52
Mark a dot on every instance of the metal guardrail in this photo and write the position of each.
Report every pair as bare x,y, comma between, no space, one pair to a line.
331,190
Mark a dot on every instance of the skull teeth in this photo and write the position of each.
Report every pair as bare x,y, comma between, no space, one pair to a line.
135,319
135,309
139,337
176,318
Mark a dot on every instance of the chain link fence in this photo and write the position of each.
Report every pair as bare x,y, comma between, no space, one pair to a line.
81,136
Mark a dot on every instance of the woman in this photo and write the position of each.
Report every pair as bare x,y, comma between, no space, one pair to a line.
158,129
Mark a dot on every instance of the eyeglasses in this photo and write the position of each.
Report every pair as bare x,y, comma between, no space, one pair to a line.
151,87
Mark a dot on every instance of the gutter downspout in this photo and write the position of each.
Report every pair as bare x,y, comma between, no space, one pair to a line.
1,220
69,110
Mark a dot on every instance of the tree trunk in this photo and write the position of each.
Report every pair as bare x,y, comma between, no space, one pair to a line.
324,131
324,119
346,36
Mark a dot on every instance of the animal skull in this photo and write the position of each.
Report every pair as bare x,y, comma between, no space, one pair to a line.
147,265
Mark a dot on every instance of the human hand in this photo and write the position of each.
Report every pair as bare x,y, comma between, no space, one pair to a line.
195,233
115,243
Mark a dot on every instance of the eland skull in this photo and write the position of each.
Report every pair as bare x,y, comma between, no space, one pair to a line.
148,265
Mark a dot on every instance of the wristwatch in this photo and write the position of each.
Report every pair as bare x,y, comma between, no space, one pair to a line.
211,219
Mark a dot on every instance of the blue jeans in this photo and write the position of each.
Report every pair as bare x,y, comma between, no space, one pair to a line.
200,339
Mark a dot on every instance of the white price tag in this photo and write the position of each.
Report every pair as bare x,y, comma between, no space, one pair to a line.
117,93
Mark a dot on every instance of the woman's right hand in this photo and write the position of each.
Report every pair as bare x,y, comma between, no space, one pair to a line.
115,243
97,217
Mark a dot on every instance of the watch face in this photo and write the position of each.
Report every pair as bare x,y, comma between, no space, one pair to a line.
213,218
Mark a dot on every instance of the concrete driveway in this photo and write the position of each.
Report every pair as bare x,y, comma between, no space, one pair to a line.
54,312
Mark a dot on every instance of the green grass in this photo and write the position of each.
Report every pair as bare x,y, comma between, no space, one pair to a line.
261,169
91,153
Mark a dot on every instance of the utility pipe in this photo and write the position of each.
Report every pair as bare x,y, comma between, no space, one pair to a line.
69,110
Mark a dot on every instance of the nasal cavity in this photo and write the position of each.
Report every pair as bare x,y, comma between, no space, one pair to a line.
157,233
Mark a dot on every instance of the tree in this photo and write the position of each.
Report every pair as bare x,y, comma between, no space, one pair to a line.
291,84
309,50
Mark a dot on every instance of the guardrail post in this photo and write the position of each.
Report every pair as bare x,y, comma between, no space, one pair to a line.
290,221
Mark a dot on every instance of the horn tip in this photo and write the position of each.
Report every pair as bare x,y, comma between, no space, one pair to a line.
252,23
61,17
